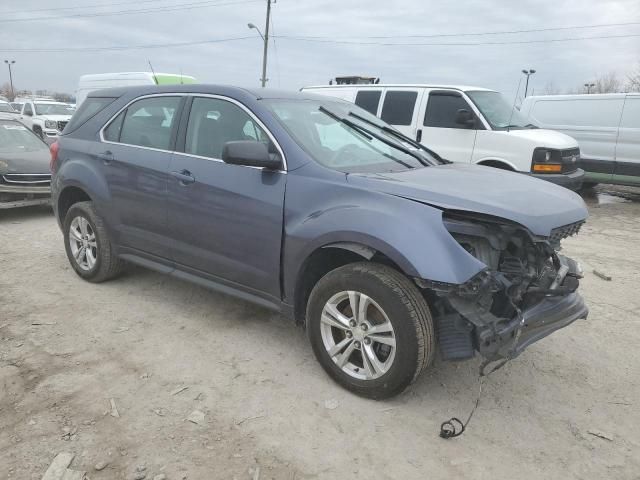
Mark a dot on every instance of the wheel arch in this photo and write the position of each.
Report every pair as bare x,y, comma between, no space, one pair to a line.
69,196
328,257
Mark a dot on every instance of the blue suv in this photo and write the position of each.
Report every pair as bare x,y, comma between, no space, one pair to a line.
312,207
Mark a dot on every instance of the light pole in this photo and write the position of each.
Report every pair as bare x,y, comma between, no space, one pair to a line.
589,86
528,73
265,40
9,63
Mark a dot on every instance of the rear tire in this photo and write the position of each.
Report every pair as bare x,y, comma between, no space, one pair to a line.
383,357
88,246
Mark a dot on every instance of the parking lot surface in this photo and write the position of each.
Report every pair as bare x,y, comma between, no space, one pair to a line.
151,375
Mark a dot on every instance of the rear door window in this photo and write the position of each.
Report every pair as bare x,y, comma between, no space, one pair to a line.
398,107
369,100
149,122
442,109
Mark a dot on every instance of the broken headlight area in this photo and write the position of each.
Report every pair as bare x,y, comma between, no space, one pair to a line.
526,291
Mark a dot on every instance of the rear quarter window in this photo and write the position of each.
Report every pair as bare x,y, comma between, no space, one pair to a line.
89,108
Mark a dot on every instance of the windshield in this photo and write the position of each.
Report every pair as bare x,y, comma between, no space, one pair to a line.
16,138
6,108
53,109
497,110
337,139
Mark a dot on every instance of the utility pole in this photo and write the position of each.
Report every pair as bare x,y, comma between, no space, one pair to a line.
528,73
9,63
265,39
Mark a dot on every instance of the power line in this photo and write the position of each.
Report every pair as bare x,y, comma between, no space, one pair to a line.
454,44
170,8
220,40
123,47
99,5
466,34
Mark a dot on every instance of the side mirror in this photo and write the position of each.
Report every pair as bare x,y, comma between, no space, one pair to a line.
250,154
465,117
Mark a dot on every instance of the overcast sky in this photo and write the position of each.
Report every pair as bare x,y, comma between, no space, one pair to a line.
295,63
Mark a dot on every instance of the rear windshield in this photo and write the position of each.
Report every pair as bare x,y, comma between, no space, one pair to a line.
16,138
89,108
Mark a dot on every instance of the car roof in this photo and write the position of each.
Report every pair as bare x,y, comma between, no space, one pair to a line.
463,88
590,96
225,90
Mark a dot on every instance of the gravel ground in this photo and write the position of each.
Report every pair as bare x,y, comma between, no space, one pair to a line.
162,349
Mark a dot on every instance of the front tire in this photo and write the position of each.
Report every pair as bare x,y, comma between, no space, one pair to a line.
88,246
370,328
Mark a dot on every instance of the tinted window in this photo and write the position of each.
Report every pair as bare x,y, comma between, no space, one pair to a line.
442,110
148,122
88,109
597,112
214,122
28,109
112,132
369,100
398,107
631,114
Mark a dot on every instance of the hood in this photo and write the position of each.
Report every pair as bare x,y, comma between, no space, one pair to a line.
543,138
57,118
25,162
538,205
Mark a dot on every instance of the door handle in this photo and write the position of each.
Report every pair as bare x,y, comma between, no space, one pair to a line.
184,176
106,157
419,135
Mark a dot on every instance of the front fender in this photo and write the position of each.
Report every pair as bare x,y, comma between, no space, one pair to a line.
410,233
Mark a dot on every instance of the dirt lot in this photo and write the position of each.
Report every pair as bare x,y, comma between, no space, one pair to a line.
567,408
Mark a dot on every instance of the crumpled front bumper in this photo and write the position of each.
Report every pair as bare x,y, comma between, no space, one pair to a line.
535,323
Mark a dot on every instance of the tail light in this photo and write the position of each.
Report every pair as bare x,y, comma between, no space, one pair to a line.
54,148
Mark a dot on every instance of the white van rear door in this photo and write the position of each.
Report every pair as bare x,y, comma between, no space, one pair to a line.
628,145
440,132
400,107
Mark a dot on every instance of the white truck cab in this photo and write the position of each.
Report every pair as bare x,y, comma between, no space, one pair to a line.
469,125
47,118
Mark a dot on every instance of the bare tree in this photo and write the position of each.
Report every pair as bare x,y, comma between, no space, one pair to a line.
5,91
633,80
551,89
607,83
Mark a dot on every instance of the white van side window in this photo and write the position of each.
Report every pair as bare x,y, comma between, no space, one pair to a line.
398,107
631,113
369,100
579,112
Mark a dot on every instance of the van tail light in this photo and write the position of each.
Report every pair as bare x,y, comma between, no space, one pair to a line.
54,148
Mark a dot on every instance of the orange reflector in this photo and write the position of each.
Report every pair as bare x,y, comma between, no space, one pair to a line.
542,168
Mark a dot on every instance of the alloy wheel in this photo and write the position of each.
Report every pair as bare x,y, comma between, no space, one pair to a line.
358,335
82,240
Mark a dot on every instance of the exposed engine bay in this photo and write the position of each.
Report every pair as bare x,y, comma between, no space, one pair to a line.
527,291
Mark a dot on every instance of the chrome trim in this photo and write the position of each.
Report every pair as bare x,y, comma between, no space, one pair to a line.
195,95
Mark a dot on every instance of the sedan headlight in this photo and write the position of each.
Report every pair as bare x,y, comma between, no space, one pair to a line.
546,160
50,124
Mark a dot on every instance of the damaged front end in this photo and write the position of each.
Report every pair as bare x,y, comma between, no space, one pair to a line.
526,291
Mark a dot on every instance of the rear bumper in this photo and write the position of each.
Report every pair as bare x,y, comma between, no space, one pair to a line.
572,181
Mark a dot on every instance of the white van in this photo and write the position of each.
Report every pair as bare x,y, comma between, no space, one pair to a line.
469,125
606,126
90,83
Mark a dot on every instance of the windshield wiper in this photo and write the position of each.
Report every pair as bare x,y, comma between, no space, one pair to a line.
380,138
400,136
